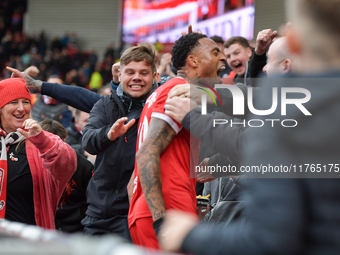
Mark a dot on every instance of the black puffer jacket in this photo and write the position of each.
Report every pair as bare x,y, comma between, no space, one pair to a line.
106,193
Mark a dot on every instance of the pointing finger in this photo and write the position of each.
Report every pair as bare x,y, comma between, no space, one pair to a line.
273,35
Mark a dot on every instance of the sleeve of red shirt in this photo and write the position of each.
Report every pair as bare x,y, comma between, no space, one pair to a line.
158,110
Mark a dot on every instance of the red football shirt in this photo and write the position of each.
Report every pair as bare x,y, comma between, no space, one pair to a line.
177,187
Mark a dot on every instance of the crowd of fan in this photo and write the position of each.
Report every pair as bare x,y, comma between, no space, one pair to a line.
62,57
53,56
250,216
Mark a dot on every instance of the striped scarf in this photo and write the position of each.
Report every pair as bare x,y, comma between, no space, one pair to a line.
6,140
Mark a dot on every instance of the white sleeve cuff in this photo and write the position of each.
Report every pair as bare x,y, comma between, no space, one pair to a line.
167,119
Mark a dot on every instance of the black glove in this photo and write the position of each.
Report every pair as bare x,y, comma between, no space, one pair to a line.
157,225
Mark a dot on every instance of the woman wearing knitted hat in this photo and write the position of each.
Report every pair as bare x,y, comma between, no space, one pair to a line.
33,171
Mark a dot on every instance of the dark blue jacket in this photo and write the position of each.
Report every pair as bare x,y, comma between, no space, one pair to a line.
76,97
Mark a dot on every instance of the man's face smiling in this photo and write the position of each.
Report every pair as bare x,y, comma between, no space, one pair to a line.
210,59
136,79
237,57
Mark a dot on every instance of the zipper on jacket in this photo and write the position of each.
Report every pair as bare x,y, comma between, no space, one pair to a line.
130,106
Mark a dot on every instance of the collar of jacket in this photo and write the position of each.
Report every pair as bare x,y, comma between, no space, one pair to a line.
114,86
128,101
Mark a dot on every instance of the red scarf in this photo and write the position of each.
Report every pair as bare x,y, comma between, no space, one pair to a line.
6,140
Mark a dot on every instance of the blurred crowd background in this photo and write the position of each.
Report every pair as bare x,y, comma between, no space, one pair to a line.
60,56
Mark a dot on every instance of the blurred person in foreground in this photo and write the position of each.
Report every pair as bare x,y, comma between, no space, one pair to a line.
286,216
34,171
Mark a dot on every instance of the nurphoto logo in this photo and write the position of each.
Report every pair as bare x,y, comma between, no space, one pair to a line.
239,105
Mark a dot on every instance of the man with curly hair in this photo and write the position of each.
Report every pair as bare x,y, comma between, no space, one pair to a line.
162,171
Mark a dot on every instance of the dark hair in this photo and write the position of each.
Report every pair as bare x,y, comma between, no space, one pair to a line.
236,39
183,47
54,127
143,52
217,39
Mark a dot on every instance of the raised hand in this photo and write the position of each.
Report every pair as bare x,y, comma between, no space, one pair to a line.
190,31
30,128
29,81
115,72
119,128
32,71
263,40
178,107
165,61
180,90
